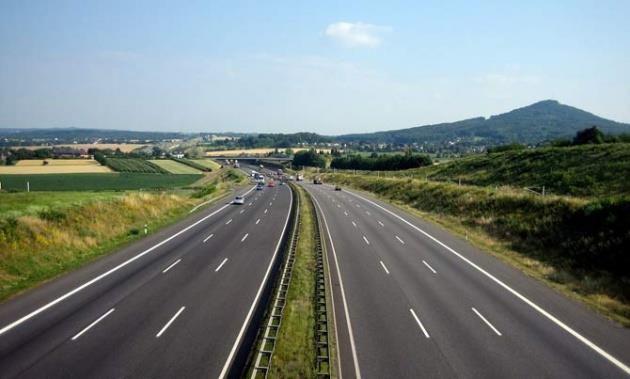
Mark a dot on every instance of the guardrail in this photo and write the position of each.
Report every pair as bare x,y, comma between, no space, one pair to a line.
322,341
267,344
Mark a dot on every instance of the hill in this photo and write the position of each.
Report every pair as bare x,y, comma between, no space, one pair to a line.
542,121
585,170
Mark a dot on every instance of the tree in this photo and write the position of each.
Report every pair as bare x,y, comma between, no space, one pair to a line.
308,158
590,135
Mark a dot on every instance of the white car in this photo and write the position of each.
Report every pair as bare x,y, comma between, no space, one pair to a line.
239,200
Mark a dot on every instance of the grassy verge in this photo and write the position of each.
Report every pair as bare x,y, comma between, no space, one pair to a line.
294,355
95,182
574,245
59,233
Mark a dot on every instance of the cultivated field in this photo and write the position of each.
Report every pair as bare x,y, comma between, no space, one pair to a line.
260,151
207,163
124,147
96,182
174,167
55,166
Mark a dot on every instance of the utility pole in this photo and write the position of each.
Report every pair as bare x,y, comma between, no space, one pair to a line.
28,186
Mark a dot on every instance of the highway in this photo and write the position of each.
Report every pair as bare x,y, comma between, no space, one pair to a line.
412,300
175,304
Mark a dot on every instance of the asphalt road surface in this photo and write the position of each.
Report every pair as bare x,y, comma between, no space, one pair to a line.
411,300
172,305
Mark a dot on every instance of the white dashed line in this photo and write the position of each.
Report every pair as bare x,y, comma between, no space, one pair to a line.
354,224
242,210
265,211
419,323
221,265
169,322
384,268
381,224
257,221
366,240
368,213
345,213
92,324
400,240
207,238
430,268
173,264
486,321
244,237
229,221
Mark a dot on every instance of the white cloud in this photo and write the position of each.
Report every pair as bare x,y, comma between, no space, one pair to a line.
356,34
507,79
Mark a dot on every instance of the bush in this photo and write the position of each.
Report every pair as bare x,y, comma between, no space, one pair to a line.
382,163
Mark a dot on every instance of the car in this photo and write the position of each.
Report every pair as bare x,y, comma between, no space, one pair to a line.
317,180
271,184
259,187
239,200
337,188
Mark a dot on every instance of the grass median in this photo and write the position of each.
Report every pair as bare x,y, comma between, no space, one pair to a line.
294,355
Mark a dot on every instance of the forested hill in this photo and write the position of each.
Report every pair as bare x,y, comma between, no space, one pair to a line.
542,121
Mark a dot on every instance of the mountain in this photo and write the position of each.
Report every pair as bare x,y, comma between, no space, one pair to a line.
84,135
542,121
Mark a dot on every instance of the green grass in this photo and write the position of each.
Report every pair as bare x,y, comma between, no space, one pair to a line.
95,182
209,163
174,167
587,170
294,355
32,203
134,165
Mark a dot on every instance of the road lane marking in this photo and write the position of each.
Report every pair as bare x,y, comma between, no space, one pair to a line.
61,298
430,268
270,203
366,240
169,322
207,238
173,264
354,224
353,348
257,221
368,213
419,323
338,206
229,221
242,210
345,213
400,240
237,342
381,224
265,211
92,324
384,268
622,366
244,237
486,321
221,265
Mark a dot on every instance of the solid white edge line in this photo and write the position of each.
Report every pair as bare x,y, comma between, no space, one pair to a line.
92,324
228,362
533,305
169,322
384,268
419,323
207,238
343,295
109,272
221,265
244,237
400,240
486,321
430,268
366,240
173,264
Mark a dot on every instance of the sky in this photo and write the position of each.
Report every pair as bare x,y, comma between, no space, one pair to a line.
320,66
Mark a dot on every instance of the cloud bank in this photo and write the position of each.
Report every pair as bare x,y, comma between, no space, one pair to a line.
356,34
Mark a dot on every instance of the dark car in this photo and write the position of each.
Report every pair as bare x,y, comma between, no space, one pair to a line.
337,188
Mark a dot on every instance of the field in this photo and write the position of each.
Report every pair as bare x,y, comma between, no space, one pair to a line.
134,165
95,182
209,163
174,167
55,166
124,147
33,203
260,151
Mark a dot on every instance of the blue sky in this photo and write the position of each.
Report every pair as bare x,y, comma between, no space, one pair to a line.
327,67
